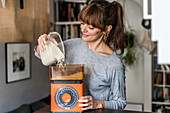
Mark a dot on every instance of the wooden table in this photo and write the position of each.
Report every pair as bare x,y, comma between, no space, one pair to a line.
47,110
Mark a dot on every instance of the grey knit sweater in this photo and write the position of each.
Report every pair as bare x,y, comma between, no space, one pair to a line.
104,77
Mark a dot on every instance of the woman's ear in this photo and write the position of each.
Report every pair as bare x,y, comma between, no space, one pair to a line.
108,28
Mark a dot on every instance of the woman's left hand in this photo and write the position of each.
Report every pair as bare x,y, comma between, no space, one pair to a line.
90,103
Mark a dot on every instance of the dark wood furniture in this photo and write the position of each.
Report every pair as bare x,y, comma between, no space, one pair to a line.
47,110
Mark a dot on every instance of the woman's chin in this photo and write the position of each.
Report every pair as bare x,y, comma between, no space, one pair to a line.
85,39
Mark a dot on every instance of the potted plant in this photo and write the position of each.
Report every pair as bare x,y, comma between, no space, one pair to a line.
129,56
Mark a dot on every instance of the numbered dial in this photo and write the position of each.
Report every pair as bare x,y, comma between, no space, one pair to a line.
66,97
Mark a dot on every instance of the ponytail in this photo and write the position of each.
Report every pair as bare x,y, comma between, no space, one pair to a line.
116,35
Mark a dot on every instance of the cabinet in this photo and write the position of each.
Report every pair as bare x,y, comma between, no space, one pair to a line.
66,17
160,86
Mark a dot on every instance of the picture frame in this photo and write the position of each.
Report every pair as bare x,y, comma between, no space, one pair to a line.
18,61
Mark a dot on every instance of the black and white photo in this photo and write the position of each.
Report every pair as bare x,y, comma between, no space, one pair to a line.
17,61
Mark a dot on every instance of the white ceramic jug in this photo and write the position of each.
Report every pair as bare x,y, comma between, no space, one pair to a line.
52,54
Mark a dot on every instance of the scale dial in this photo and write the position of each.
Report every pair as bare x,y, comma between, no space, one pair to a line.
66,97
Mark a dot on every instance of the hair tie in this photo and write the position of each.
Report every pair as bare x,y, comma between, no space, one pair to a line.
114,5
98,5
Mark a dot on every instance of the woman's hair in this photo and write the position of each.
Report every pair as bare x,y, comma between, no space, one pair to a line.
100,14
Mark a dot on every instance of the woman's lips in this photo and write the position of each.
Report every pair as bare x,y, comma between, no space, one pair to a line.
84,35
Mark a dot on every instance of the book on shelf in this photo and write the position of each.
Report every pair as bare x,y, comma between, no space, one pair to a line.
62,13
70,31
158,94
167,68
158,78
68,11
161,95
167,95
162,67
63,33
167,78
76,31
155,63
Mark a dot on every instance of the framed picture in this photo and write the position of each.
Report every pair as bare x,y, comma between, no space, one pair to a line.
17,61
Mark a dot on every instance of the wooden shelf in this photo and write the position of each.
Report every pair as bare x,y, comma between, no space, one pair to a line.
167,107
68,23
161,85
76,1
161,103
155,70
167,86
158,85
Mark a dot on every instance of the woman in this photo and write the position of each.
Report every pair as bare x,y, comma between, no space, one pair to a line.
102,30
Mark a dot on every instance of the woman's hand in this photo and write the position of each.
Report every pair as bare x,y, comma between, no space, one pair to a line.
42,40
90,103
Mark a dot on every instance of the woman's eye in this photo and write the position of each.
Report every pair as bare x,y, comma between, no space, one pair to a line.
91,28
82,23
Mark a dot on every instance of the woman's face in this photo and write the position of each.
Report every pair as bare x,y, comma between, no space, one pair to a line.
90,33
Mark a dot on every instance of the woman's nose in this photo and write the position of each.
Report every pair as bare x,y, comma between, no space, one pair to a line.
84,28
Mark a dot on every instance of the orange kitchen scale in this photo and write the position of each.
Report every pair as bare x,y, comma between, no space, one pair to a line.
66,88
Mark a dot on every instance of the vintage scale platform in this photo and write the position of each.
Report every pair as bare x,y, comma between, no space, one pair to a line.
67,85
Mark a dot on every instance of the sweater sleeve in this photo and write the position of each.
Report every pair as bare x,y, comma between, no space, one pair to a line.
117,98
36,53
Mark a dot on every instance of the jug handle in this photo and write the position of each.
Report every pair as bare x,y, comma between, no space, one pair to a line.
60,41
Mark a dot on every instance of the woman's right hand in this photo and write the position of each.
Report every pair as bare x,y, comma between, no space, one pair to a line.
42,40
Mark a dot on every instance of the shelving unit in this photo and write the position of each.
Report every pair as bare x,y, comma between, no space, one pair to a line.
160,86
66,17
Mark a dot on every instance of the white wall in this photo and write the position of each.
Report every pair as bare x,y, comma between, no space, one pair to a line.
133,15
13,95
136,76
160,29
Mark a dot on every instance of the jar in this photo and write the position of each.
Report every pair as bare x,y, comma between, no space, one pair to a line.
53,54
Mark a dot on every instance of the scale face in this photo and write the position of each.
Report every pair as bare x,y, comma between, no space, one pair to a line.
66,97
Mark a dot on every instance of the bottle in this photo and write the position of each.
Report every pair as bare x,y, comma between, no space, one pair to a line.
52,54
